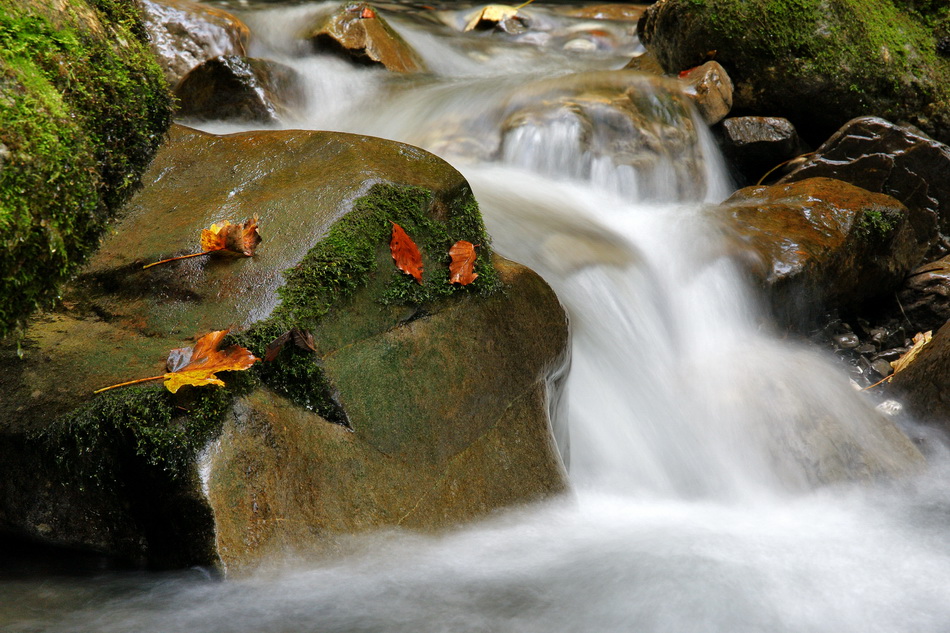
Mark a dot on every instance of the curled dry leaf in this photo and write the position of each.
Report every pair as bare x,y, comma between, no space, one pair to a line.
462,266
226,239
234,239
197,365
302,339
405,253
920,339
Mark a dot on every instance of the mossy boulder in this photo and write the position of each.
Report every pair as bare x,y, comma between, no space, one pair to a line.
820,244
83,107
818,63
431,397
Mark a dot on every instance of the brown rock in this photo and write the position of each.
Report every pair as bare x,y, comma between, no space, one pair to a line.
357,32
925,296
710,89
821,243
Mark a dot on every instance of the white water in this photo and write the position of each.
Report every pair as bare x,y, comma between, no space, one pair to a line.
693,456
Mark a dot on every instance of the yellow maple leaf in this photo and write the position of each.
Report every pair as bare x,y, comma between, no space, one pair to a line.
197,366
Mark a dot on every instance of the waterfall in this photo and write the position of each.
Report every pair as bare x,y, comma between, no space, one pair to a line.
712,463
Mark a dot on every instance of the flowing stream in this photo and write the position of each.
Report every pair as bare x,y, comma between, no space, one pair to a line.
705,496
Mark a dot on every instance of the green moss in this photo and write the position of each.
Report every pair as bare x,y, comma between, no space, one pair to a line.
877,226
350,253
161,430
83,107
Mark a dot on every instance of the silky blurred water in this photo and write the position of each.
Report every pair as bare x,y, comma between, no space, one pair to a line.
695,504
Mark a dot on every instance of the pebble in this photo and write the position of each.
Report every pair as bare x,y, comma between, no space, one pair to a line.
846,341
882,367
866,348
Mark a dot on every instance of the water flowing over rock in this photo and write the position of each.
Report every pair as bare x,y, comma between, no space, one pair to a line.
818,64
624,123
242,89
357,32
185,34
421,406
900,161
821,243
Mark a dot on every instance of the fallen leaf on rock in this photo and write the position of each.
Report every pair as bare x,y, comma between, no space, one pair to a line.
462,266
197,365
492,14
920,339
405,253
302,339
226,239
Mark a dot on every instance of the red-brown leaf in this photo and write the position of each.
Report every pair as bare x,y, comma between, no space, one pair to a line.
462,267
405,253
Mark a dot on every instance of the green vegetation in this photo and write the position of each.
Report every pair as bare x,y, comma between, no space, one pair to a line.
877,226
83,107
346,259
163,430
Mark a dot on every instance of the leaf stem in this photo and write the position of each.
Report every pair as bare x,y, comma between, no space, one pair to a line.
173,259
130,382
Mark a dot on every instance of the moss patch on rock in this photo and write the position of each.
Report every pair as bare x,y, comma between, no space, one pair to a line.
817,62
83,107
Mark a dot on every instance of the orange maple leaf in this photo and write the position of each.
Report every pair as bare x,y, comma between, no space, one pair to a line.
462,267
227,239
196,366
405,253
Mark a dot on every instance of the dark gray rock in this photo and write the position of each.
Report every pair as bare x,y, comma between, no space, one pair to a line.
240,88
753,145
925,297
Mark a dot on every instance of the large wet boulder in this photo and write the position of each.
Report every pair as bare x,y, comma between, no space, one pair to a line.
240,89
817,63
407,404
900,161
820,244
356,31
185,34
83,107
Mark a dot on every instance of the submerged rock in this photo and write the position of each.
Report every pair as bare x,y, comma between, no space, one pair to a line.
414,404
358,33
240,88
185,34
820,244
900,161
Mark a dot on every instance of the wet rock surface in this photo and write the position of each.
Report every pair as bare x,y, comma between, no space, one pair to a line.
710,89
185,34
754,145
900,161
358,33
821,243
443,389
924,386
240,89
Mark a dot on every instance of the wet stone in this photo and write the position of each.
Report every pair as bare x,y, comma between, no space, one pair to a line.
882,367
846,341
